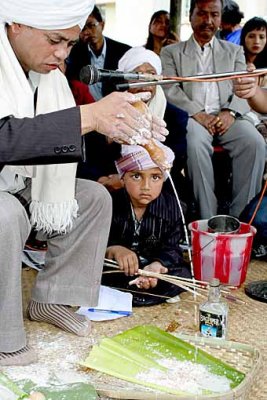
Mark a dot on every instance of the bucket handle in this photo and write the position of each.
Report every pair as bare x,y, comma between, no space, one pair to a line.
202,248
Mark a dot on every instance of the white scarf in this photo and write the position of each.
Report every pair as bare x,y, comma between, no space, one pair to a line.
157,105
53,204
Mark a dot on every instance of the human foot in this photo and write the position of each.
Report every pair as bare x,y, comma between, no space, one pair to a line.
61,316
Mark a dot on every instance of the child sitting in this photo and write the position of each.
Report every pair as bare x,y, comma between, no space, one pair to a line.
146,228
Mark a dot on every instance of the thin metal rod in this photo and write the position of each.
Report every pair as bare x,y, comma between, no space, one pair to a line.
209,77
125,86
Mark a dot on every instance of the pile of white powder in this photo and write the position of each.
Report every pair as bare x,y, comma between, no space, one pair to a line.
185,376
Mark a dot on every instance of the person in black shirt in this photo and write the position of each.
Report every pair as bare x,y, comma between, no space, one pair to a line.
146,228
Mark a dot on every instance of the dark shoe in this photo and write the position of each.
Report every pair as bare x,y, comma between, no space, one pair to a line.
259,251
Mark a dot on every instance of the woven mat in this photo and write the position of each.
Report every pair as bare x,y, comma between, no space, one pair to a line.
247,324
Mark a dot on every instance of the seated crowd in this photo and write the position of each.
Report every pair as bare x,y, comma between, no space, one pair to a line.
147,227
198,115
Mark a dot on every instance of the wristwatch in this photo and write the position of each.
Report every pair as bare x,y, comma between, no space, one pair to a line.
234,114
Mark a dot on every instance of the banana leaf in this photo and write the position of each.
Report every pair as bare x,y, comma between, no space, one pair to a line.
15,390
139,349
73,391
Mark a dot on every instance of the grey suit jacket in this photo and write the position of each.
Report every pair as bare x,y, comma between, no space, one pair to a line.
180,60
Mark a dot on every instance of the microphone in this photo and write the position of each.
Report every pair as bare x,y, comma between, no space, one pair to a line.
90,75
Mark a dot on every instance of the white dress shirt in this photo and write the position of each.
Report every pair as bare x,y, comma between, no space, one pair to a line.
206,93
98,62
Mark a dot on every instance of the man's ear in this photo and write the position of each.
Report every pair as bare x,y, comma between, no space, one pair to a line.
103,25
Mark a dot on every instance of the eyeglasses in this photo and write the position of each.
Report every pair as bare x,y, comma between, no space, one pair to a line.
91,25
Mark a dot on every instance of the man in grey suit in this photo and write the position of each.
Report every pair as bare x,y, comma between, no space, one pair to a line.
39,124
214,110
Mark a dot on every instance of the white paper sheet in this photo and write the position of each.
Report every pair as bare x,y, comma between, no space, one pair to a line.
112,304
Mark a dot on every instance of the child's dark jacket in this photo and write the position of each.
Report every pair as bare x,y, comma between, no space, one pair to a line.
160,232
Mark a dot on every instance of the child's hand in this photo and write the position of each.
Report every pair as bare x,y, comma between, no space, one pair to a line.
127,259
144,282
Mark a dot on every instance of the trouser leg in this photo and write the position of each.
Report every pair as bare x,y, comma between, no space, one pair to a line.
74,261
247,150
200,168
14,230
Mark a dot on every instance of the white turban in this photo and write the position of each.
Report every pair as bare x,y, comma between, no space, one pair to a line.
46,14
137,56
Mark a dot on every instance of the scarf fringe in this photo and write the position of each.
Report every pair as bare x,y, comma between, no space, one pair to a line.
53,217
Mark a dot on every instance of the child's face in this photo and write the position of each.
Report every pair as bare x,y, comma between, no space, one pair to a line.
143,186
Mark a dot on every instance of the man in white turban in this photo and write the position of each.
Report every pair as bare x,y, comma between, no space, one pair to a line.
39,123
141,60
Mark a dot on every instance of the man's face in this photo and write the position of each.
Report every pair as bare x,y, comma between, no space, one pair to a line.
145,68
92,32
41,50
205,20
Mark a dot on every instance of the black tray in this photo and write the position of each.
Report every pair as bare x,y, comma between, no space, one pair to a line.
257,290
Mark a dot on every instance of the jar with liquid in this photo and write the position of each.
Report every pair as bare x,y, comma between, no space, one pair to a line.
213,314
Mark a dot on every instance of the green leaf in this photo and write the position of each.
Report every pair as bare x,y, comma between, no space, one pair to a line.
74,391
139,349
157,344
7,383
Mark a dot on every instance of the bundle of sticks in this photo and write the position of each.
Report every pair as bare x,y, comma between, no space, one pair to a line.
196,287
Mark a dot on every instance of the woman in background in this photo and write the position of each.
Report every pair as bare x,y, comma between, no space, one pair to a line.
254,42
159,33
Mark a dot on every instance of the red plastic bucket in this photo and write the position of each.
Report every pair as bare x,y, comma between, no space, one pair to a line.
223,256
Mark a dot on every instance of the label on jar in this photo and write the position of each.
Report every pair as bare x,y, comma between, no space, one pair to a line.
212,325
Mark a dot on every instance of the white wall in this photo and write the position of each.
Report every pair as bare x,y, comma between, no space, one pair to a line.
127,20
253,8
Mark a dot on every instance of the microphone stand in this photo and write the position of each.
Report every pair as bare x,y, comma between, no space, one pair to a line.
197,78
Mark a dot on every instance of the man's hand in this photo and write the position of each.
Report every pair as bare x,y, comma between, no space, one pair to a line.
143,282
215,124
224,122
209,121
245,88
115,117
126,258
159,130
